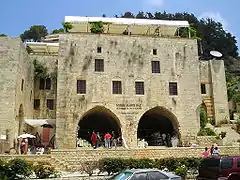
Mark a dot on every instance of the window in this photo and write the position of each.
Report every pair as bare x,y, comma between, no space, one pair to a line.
155,67
22,84
173,88
48,83
50,104
41,83
99,65
154,51
203,88
99,50
226,163
156,176
81,86
117,87
209,163
139,176
36,103
122,175
238,162
139,86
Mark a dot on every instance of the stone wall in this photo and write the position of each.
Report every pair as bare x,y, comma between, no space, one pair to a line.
8,58
75,158
219,90
126,58
50,62
24,89
16,85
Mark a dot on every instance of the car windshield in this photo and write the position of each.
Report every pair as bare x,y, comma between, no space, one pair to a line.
210,162
121,176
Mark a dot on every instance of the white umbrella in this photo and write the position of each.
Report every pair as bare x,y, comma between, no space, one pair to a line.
26,136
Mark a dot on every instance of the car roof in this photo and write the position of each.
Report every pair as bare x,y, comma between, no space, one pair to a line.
169,174
222,156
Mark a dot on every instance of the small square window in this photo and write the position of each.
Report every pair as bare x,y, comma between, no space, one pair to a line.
173,90
36,103
203,88
154,51
155,67
81,86
99,65
139,87
117,87
41,84
99,49
48,83
50,104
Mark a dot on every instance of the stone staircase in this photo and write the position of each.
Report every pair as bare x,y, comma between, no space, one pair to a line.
231,137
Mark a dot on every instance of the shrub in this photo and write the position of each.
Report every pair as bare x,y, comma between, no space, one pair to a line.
89,167
181,170
203,118
97,27
206,132
3,170
112,166
18,169
178,165
44,170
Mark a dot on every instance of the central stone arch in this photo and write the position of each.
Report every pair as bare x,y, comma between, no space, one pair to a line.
158,127
98,119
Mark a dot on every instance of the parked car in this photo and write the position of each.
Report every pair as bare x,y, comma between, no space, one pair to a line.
145,174
220,168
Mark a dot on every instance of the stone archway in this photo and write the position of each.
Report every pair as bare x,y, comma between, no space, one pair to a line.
159,127
98,119
20,119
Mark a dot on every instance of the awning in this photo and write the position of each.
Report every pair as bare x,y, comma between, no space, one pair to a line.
40,122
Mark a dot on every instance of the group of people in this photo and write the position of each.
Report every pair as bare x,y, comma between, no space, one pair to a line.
213,151
110,140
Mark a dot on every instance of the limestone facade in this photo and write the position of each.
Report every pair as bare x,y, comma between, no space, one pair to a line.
126,59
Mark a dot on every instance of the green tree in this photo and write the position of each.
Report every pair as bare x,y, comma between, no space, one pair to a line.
233,88
57,31
128,15
35,33
210,34
97,27
141,15
3,35
67,26
214,37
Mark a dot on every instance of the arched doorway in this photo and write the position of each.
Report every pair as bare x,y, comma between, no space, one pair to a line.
98,119
20,119
159,127
202,115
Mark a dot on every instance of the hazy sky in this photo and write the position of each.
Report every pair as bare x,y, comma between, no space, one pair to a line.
18,15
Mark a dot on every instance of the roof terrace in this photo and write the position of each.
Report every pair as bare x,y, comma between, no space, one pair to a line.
128,26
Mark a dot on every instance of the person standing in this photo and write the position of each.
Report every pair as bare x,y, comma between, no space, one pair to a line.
215,151
107,139
94,139
205,153
98,140
114,140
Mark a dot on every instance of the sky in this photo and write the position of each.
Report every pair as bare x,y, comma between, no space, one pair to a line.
16,16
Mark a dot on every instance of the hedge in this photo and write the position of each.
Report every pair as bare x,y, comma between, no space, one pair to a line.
17,169
178,165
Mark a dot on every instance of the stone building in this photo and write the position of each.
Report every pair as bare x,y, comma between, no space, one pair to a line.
136,78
